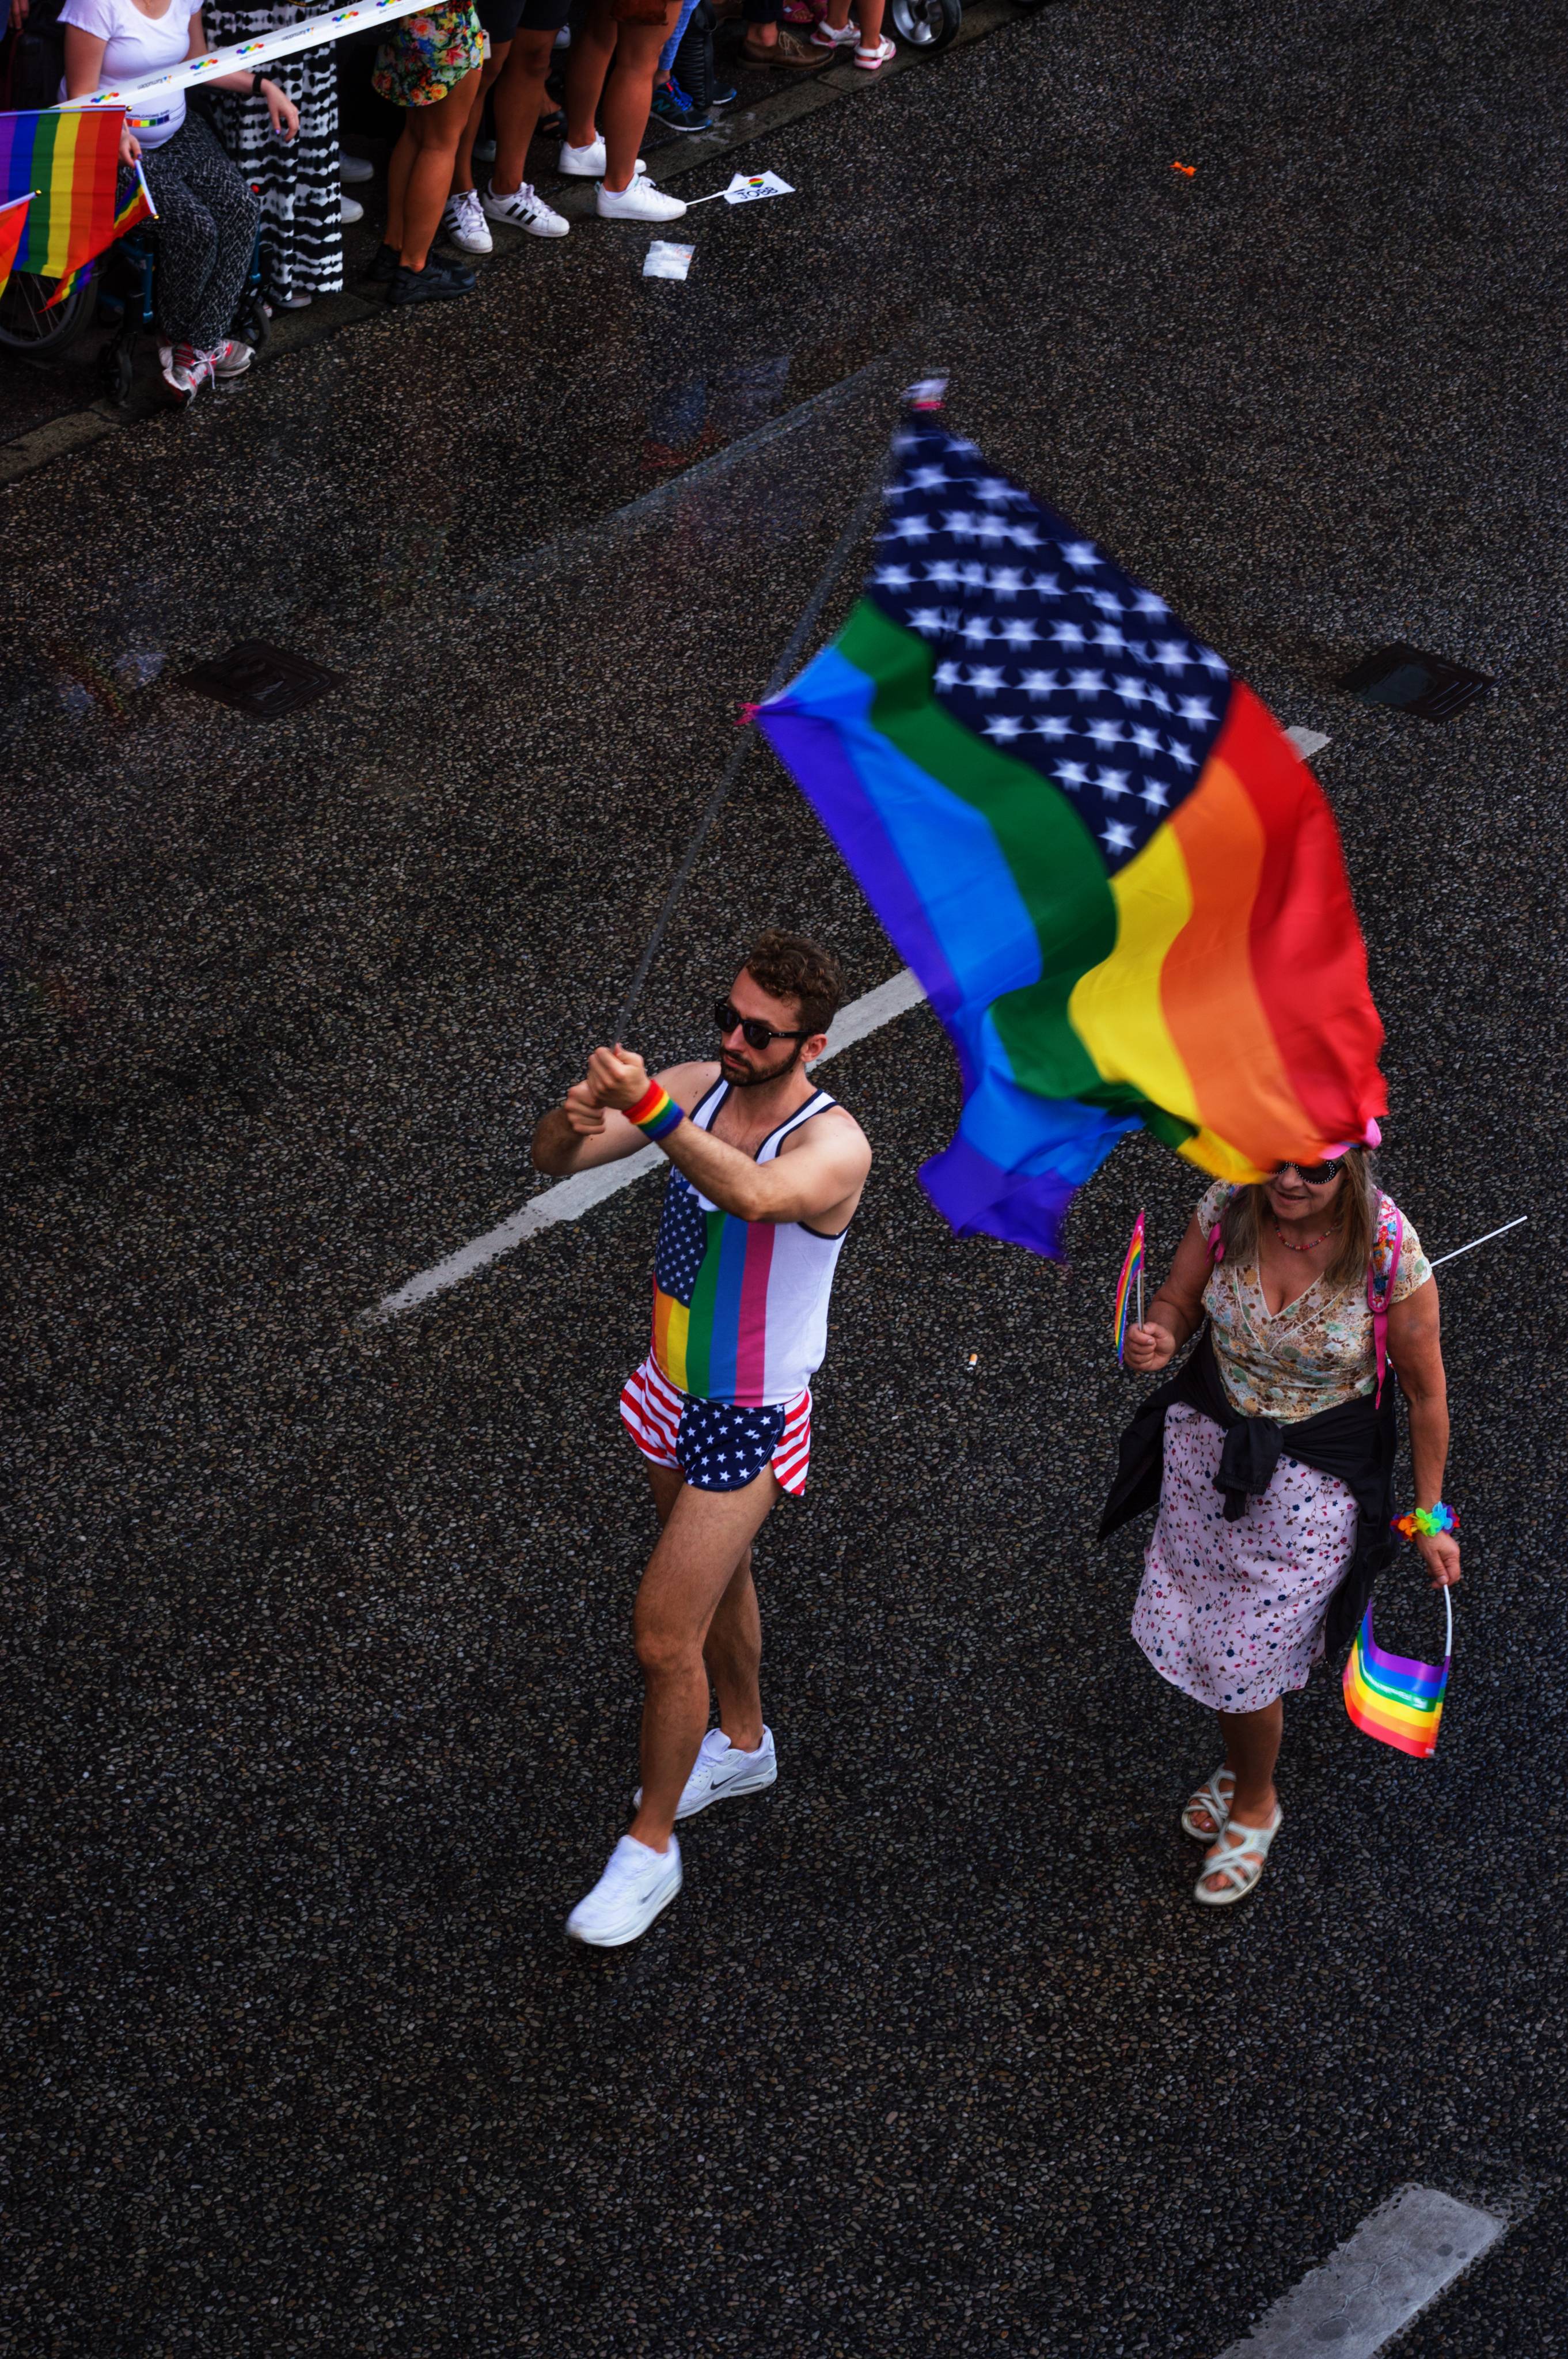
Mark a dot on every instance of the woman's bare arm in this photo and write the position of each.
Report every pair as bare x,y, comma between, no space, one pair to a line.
1415,1347
1176,1311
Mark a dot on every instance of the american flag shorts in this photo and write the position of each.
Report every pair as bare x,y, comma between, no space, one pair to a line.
718,1445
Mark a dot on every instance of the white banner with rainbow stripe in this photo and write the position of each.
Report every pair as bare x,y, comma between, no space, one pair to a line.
249,57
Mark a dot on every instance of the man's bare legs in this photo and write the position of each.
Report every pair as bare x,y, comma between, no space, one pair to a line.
696,1618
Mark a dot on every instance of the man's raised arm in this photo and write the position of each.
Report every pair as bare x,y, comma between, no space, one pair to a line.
580,1134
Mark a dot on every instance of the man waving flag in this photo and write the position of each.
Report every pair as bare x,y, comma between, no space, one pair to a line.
1117,879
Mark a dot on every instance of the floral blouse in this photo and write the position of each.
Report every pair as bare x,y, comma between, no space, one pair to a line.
1316,1353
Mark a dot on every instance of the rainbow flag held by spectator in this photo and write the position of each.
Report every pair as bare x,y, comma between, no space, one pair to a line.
68,163
13,221
1118,882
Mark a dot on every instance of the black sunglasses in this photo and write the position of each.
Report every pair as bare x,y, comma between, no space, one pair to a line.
756,1035
1311,1175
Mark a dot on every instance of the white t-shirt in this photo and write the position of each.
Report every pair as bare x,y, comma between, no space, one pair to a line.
138,45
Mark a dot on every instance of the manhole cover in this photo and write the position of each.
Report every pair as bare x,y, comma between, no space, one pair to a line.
261,681
1429,685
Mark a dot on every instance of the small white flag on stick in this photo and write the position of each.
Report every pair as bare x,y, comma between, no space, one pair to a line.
746,190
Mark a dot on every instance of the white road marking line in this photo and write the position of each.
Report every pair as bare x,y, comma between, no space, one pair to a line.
1399,2258
1307,741
568,1199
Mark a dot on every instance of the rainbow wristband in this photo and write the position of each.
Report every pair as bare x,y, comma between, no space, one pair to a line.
655,1113
1426,1523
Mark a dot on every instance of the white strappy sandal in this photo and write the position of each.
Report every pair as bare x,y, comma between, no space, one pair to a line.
1238,1856
1213,1797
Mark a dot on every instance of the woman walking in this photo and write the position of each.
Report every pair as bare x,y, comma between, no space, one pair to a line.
1271,1454
301,199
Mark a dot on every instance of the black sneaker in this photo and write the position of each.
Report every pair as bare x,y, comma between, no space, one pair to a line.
383,269
434,284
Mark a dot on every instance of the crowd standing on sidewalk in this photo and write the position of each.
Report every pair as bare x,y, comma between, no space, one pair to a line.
253,178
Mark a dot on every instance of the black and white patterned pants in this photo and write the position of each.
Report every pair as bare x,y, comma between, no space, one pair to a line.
206,230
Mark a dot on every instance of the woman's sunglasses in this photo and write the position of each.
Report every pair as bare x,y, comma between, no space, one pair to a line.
755,1035
1311,1175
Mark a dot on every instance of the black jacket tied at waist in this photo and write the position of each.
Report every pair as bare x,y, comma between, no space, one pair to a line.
1355,1441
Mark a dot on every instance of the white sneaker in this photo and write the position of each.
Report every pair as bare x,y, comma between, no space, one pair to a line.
636,1885
525,209
464,222
723,1771
352,211
231,359
588,163
638,200
353,170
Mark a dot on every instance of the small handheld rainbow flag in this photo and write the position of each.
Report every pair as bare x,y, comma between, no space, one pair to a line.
1398,1701
70,166
13,221
1129,1289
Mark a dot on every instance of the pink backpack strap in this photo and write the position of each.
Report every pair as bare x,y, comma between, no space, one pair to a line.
1381,1270
1216,1239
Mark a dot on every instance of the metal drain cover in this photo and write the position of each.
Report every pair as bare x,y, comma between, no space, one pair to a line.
261,681
1430,687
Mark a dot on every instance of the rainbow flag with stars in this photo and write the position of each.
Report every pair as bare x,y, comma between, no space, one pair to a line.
1118,882
69,163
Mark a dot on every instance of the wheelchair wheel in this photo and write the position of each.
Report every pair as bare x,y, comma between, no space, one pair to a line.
116,368
34,333
927,25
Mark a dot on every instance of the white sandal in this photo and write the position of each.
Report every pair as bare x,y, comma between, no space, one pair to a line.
1215,1798
873,61
1240,1861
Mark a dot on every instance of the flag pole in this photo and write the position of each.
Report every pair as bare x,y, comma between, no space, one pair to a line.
1480,1241
782,670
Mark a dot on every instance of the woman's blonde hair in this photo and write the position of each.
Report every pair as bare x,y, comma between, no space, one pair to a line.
1353,1207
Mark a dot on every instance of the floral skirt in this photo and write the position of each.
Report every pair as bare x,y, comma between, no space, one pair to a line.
427,55
1232,1614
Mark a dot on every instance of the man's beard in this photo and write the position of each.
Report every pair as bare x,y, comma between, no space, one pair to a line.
747,1078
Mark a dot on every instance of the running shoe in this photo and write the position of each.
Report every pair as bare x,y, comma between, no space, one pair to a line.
678,108
231,360
723,97
354,170
723,1773
350,211
185,371
383,269
463,222
636,1884
525,209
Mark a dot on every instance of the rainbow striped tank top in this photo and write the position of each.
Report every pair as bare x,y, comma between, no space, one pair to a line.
740,1307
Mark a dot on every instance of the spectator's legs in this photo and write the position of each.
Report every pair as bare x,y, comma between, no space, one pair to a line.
668,54
462,171
588,63
207,219
436,132
519,101
868,17
763,20
399,164
629,95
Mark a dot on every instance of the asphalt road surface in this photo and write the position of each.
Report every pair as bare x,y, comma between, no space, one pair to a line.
320,1706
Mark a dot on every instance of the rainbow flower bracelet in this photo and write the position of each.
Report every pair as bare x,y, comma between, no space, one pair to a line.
1426,1523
